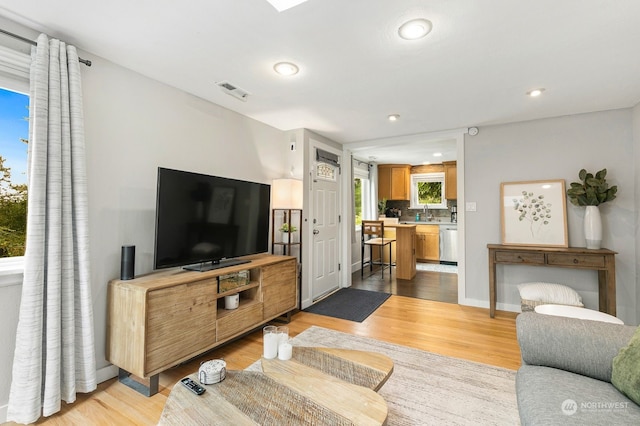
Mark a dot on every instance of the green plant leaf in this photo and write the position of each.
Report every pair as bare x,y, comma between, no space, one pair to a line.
593,191
601,174
582,174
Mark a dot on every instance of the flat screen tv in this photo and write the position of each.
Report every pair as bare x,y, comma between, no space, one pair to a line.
205,222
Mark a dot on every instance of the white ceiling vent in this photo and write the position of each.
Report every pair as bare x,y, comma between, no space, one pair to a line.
232,90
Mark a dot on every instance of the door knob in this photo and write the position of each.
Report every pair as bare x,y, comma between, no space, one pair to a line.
316,232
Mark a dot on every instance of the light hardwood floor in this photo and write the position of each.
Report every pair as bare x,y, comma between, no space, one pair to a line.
444,328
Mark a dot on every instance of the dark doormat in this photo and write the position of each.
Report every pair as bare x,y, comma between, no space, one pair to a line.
350,304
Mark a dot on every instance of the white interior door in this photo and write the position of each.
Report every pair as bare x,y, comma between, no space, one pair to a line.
325,225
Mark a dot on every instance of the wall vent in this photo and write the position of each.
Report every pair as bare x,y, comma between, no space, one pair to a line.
233,90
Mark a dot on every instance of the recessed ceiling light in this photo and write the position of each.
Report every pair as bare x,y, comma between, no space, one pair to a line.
286,68
437,154
535,92
394,117
415,29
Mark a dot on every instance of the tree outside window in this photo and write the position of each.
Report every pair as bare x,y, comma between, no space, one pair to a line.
357,195
14,130
429,193
427,190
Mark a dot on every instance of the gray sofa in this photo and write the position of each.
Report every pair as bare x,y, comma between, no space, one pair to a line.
565,377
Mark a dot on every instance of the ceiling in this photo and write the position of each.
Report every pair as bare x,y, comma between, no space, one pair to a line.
473,69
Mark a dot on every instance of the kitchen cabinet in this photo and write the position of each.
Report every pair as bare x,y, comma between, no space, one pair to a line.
428,242
450,180
394,181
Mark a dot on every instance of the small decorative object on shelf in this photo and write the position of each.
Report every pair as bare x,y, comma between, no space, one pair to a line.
233,280
286,229
283,220
590,193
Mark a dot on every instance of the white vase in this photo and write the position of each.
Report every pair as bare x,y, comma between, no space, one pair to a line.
593,227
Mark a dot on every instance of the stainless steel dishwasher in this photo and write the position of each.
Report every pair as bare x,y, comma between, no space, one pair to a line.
449,243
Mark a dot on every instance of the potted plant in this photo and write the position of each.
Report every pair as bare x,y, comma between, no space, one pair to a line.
590,192
285,229
382,207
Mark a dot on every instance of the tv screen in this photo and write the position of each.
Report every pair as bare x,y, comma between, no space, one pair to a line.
205,221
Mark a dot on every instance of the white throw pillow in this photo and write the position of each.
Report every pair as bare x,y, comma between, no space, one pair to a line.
533,294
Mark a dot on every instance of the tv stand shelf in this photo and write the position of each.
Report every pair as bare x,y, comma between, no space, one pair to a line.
252,284
161,319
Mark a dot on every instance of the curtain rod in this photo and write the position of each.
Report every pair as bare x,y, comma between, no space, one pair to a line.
33,43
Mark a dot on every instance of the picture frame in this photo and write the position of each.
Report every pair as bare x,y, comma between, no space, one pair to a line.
534,213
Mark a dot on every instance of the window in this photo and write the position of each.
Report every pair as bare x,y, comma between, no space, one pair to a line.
14,131
361,193
14,81
427,189
357,202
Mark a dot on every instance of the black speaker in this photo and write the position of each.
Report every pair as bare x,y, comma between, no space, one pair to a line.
127,262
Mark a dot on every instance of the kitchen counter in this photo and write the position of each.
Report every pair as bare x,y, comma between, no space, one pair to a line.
405,253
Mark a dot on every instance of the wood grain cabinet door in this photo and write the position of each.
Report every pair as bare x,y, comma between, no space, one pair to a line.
450,180
279,288
428,240
181,321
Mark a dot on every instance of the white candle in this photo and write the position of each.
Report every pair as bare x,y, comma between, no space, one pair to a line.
285,351
271,341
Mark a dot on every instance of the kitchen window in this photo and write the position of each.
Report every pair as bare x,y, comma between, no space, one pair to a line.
361,193
427,190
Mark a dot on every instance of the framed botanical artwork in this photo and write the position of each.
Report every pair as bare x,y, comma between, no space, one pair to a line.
534,213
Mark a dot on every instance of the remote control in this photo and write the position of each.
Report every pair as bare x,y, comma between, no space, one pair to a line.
193,386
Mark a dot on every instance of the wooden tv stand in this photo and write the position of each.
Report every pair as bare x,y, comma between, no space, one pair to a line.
161,319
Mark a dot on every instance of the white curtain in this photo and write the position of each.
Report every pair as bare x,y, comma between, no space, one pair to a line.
372,214
55,354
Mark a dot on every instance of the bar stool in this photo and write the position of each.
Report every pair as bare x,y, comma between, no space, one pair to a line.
373,236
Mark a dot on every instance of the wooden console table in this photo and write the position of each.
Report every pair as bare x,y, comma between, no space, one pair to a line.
601,260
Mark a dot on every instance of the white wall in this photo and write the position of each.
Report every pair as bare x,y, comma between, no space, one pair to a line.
554,148
636,221
133,125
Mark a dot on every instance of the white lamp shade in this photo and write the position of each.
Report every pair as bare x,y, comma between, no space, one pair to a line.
286,194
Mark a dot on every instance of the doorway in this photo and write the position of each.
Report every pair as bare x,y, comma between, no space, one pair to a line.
412,149
325,220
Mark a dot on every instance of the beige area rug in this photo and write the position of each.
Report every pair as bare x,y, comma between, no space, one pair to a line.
430,389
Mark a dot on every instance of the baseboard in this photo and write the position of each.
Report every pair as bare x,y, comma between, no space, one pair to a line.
356,266
305,304
509,307
106,373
